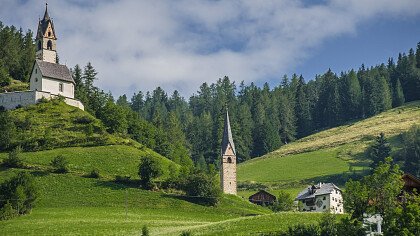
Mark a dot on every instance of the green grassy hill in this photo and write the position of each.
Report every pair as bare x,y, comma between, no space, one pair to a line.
325,156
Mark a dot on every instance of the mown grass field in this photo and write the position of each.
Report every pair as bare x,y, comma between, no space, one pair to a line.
327,156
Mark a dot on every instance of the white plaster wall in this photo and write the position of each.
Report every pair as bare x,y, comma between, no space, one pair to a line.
36,74
334,206
52,86
14,99
336,202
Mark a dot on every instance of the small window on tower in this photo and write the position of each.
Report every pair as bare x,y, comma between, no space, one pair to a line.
36,79
49,34
49,45
229,160
60,87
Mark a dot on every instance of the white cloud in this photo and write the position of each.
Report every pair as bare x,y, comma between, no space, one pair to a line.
138,45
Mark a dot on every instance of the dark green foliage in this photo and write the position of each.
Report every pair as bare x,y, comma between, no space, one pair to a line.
379,150
376,194
20,193
123,179
145,231
397,95
203,186
149,169
410,152
406,218
186,233
284,202
60,164
114,118
302,230
14,160
8,130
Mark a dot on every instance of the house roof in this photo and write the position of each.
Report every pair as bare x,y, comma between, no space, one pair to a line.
316,190
262,191
54,71
414,179
227,135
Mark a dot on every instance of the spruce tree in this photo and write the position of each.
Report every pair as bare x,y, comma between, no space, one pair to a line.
351,95
379,150
398,95
302,110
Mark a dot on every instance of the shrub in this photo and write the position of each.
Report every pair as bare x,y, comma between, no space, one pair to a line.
60,164
149,169
14,159
145,231
186,233
84,120
7,212
200,184
284,202
20,193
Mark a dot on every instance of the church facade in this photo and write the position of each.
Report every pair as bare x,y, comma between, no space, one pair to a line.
48,79
228,162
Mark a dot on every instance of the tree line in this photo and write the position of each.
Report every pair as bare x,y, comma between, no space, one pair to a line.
188,131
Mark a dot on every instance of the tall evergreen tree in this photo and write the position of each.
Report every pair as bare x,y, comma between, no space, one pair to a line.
379,150
397,95
302,110
351,95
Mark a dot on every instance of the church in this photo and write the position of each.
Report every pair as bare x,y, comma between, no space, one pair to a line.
48,79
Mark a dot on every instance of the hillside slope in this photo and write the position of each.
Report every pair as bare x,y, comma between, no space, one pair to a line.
329,155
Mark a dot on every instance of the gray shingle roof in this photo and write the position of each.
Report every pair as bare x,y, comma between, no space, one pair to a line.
54,71
227,136
320,189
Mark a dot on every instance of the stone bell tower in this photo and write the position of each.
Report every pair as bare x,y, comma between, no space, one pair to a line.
46,40
228,165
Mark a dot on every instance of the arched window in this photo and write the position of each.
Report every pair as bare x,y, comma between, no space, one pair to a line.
49,34
49,45
39,45
229,160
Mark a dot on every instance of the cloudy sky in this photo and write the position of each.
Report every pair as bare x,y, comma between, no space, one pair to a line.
139,45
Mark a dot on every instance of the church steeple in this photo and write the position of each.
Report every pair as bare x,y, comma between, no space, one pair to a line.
46,39
228,162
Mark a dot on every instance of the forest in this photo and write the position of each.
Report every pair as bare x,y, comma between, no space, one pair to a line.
188,130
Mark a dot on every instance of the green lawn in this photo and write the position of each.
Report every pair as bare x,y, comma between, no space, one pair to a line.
109,160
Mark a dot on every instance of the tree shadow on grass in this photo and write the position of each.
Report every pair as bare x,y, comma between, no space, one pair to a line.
40,173
202,201
112,184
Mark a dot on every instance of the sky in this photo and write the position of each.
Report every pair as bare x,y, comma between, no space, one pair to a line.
140,45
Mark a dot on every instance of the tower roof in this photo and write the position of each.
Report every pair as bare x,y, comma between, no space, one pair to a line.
43,24
227,135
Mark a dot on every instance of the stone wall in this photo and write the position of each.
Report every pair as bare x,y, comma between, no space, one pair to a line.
228,172
15,99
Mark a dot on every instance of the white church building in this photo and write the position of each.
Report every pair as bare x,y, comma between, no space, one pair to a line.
48,79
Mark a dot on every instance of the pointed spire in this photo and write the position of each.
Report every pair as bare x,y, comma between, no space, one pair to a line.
46,15
227,135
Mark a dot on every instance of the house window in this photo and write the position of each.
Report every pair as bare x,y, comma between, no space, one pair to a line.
324,207
324,198
49,45
61,87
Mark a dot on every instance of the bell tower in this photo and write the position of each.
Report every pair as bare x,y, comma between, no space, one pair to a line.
228,165
46,40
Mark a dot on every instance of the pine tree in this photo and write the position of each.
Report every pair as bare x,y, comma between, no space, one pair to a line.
379,150
418,55
302,110
398,95
89,76
351,95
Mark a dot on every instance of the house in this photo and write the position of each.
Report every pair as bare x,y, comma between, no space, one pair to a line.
262,197
411,183
320,198
48,79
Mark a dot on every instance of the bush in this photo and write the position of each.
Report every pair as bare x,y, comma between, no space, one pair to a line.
60,164
186,233
149,169
20,193
7,212
145,231
84,120
200,184
284,202
14,159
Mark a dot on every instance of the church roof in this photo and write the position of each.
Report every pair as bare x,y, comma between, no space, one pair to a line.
54,71
227,136
43,24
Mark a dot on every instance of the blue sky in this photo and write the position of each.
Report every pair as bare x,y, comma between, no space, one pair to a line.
139,45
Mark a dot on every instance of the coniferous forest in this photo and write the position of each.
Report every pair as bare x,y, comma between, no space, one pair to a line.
188,131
